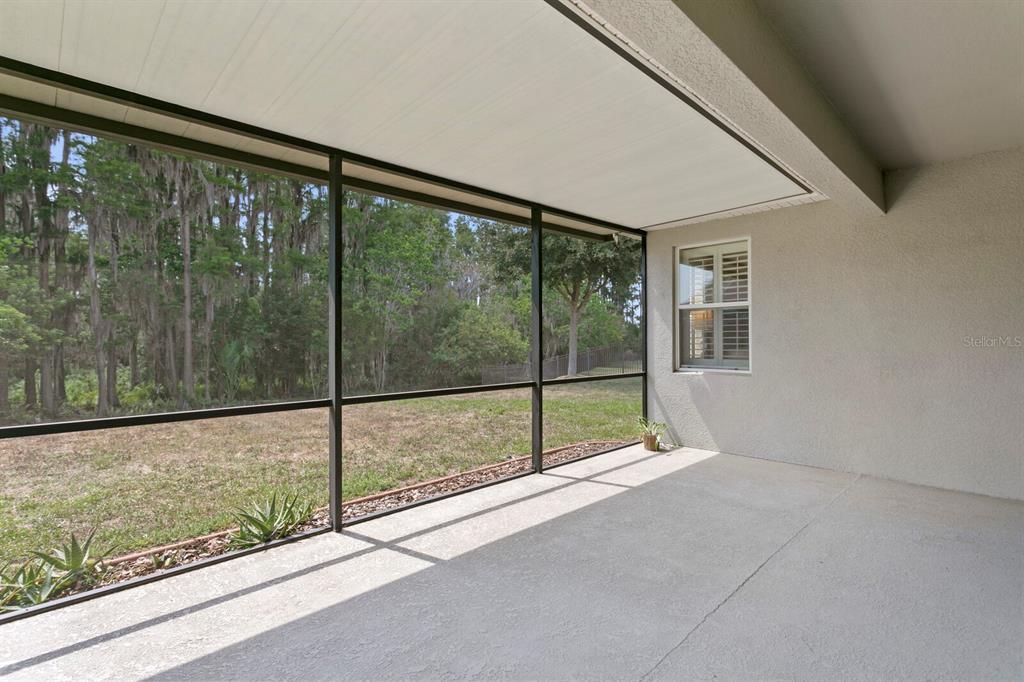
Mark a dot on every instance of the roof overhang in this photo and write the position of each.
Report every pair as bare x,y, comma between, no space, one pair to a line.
529,99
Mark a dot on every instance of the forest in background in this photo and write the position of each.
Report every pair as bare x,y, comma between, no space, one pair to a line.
135,280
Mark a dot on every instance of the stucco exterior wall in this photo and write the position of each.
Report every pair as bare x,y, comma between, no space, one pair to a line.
860,333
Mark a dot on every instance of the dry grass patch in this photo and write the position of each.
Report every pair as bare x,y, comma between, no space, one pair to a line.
151,485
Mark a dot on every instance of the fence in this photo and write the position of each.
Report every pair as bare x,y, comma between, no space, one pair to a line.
589,361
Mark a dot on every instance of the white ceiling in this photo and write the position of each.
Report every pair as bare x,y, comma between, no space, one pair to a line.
919,81
508,95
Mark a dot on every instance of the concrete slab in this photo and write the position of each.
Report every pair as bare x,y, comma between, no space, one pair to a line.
685,564
891,582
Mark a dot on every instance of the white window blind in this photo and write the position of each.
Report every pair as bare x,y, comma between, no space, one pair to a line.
713,294
734,276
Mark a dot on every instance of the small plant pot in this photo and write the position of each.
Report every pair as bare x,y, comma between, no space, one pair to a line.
651,442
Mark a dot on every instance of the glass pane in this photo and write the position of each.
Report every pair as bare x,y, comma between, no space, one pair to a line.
431,298
134,280
588,417
696,277
697,333
437,445
146,486
591,305
735,337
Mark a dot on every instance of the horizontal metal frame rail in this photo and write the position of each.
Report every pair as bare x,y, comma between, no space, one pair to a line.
585,378
431,201
51,428
431,393
97,125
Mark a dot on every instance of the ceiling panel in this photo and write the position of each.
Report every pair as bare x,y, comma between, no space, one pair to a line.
31,31
508,95
918,81
91,44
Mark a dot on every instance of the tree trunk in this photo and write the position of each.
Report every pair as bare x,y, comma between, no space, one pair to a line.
31,399
253,247
172,362
574,334
133,360
112,398
64,318
27,229
98,325
208,342
46,385
44,215
111,341
61,374
186,316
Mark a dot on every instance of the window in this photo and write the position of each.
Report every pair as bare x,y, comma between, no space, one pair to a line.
713,299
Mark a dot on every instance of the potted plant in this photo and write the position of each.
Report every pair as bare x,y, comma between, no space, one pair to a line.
651,432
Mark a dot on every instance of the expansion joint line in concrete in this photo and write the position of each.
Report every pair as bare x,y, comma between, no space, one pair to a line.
746,580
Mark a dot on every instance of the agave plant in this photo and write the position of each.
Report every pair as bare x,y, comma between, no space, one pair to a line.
30,583
74,562
270,519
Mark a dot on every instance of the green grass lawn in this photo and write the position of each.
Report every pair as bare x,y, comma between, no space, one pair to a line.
151,485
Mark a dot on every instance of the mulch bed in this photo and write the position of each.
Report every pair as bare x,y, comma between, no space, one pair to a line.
393,499
161,558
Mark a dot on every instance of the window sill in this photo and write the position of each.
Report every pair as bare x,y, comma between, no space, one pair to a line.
710,370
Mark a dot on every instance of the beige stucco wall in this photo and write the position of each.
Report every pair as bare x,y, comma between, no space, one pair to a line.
858,328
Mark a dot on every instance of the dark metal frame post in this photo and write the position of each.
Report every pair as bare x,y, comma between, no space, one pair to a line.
335,201
643,317
537,335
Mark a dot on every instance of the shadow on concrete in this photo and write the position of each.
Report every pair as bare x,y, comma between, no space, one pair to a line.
601,592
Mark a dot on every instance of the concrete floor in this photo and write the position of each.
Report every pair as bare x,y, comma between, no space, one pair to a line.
686,565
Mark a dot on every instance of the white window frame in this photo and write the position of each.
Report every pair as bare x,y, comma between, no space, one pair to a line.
677,364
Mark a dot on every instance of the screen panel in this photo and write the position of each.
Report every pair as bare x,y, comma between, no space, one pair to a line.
141,487
592,312
137,281
587,417
448,443
431,298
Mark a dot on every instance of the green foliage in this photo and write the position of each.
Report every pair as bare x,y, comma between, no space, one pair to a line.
29,584
50,574
481,336
650,428
269,520
16,332
93,264
94,270
75,562
161,560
